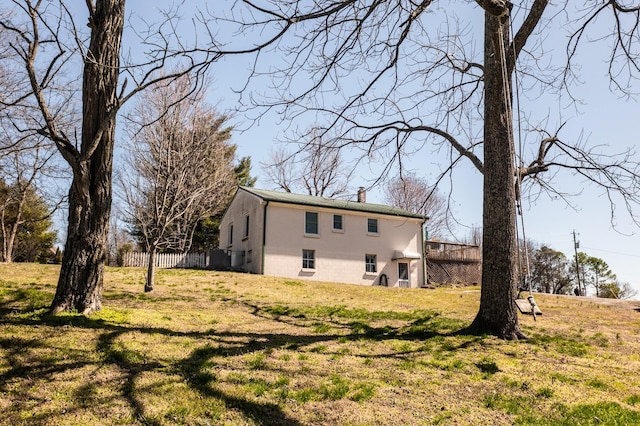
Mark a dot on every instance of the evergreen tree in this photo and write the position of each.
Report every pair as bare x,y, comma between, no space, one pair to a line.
26,224
207,234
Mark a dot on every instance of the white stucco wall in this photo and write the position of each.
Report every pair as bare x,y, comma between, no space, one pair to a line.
340,256
248,249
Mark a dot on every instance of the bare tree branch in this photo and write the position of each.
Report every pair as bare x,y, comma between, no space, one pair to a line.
180,168
390,78
315,167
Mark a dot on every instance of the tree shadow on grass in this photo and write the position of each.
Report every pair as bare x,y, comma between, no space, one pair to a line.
24,364
133,364
192,369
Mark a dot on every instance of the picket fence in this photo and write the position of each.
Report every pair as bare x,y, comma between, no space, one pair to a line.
167,260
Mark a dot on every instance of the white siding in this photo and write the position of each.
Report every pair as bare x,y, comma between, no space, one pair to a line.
340,256
248,251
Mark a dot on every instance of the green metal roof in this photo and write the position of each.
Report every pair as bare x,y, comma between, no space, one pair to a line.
309,200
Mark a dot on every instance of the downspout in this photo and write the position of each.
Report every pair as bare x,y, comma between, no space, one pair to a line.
264,234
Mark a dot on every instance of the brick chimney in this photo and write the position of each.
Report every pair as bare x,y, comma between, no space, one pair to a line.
362,195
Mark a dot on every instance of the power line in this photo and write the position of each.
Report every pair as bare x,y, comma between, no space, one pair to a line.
613,252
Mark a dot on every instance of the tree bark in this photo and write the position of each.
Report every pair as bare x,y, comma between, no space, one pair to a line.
5,239
81,277
151,271
498,312
9,240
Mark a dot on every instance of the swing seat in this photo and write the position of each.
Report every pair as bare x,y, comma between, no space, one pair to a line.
525,307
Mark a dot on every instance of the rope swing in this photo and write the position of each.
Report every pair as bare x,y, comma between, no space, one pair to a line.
518,166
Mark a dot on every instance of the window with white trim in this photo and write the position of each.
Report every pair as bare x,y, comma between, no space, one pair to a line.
337,222
230,239
311,223
308,259
372,226
370,263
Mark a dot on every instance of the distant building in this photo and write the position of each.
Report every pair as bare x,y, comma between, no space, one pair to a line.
301,236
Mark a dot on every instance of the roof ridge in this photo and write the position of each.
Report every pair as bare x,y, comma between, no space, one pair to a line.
317,201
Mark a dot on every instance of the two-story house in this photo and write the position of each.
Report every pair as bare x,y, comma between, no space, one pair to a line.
301,236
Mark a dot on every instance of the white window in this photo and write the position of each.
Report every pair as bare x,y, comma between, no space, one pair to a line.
311,223
308,259
337,222
372,226
370,263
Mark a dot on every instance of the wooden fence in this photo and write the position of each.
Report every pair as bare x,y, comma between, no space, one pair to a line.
437,250
167,260
453,263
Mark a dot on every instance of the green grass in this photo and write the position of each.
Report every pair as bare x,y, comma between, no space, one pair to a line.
231,349
633,400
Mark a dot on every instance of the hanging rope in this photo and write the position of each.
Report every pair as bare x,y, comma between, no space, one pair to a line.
517,160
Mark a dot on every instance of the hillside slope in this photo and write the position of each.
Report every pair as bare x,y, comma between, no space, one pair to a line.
224,348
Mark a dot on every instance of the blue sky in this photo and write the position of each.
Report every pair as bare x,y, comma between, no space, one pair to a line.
605,119
602,117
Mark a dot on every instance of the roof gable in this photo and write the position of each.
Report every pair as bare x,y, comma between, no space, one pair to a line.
312,201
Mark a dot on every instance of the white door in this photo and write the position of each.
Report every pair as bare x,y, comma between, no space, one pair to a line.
403,274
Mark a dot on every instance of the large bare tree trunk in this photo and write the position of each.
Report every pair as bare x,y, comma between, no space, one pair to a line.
81,277
498,312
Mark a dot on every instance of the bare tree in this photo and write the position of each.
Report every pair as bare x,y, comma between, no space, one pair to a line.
280,170
473,237
120,240
315,168
414,194
180,168
8,84
28,170
207,234
51,45
29,166
405,74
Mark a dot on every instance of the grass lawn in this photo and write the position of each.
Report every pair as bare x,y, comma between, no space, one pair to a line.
217,348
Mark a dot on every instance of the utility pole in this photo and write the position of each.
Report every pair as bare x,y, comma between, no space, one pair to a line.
576,245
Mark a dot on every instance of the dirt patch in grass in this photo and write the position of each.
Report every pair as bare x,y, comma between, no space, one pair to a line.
225,348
